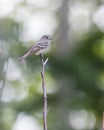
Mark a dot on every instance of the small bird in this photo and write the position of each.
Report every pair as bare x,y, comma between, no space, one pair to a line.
39,47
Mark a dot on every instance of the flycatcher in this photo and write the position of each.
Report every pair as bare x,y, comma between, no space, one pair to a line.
39,47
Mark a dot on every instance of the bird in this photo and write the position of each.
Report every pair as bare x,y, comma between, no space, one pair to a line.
40,47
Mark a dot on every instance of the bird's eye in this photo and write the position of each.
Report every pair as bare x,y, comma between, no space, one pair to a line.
46,37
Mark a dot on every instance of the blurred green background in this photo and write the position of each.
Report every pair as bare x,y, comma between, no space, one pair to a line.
74,74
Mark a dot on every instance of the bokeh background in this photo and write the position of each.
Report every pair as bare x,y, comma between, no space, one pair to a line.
75,71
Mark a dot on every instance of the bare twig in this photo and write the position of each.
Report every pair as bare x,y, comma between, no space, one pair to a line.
103,122
43,63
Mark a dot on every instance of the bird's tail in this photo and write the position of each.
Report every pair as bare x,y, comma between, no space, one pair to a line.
24,56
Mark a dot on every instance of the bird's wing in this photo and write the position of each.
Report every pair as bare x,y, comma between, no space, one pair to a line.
42,43
38,46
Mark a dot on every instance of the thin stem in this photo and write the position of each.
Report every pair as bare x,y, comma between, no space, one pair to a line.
103,121
43,63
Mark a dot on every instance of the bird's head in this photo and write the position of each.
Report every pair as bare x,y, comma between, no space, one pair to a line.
46,37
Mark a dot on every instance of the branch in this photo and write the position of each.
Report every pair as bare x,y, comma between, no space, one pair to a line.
103,122
43,63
